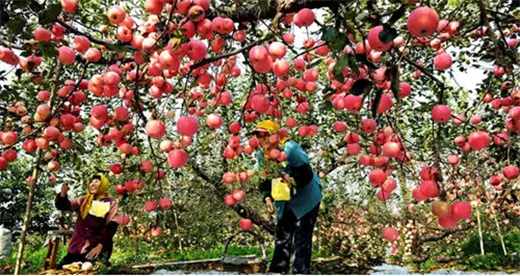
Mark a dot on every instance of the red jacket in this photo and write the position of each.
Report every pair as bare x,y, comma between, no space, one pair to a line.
93,229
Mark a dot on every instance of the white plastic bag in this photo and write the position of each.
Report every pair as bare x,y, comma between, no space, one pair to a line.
6,245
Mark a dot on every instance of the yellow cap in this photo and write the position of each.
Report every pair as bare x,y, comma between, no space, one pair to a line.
269,126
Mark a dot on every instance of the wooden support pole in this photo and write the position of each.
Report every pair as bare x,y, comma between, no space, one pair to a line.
47,256
177,229
35,173
27,218
55,252
501,237
480,233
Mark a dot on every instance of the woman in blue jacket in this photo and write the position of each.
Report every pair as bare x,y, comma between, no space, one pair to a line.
297,215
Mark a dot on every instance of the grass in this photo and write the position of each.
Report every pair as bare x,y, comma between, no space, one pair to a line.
32,261
124,257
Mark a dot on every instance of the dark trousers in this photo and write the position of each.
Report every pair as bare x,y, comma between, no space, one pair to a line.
290,232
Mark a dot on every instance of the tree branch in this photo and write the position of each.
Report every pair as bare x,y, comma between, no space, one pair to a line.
92,39
484,21
426,72
215,58
251,12
421,256
241,210
11,45
444,233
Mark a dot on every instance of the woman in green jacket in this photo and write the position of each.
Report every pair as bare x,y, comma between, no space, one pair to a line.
297,215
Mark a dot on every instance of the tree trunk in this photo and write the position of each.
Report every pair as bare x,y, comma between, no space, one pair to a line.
420,255
242,210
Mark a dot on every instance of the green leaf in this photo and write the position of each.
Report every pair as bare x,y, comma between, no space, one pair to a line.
339,67
375,103
268,36
119,48
352,64
349,14
335,40
488,58
453,3
15,25
394,84
361,16
18,73
363,59
178,33
339,43
329,34
4,17
264,4
360,87
325,105
48,49
20,4
387,34
159,25
50,14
